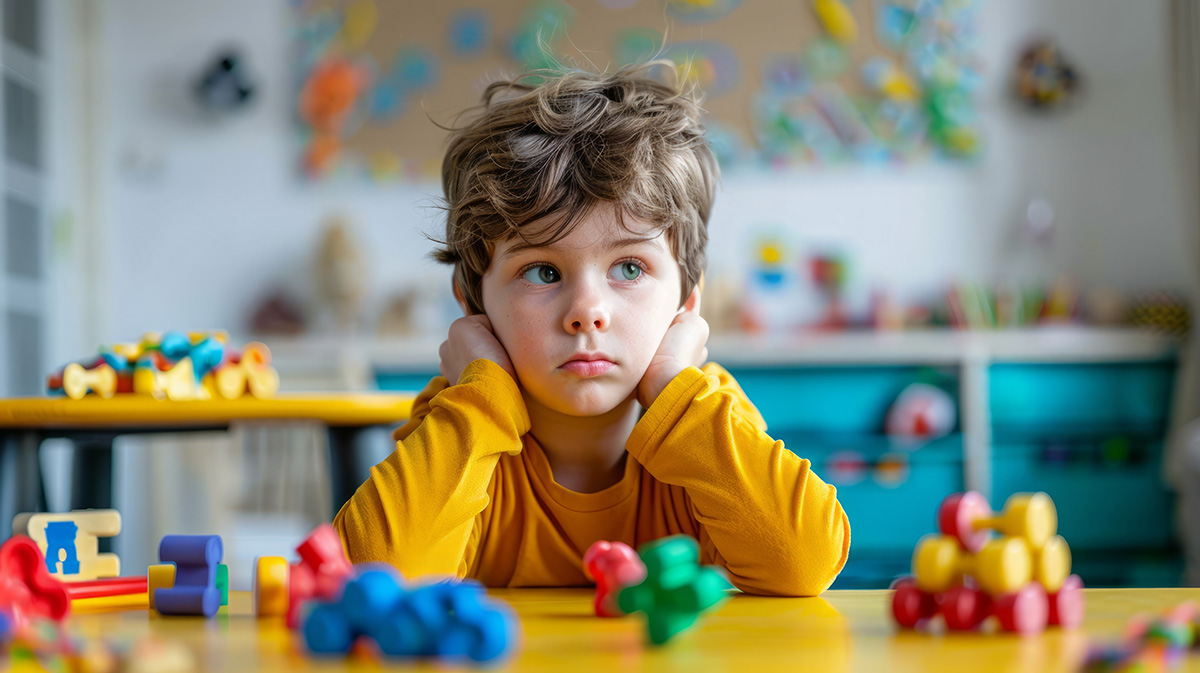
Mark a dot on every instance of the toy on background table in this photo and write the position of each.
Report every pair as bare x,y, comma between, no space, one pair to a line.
171,365
194,590
70,541
449,620
1023,577
677,589
613,566
1148,644
27,590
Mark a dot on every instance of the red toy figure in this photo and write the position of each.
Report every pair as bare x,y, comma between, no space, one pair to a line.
27,590
613,566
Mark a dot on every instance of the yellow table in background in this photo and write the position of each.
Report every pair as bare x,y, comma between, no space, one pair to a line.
839,631
93,423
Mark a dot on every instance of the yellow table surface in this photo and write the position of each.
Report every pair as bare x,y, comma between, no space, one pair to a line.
136,411
840,631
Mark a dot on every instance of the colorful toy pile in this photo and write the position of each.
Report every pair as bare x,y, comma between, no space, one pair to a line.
1023,577
171,365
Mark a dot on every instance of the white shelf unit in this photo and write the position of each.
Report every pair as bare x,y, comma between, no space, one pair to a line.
349,362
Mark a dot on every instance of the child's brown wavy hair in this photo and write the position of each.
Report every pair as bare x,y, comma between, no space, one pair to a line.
551,152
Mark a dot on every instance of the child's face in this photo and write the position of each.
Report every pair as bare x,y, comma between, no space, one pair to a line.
600,293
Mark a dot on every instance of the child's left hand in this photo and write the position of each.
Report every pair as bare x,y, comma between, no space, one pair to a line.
682,346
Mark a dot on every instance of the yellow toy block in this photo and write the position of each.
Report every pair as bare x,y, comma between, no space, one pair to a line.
70,541
160,576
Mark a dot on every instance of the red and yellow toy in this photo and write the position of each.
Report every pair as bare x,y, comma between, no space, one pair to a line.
1023,578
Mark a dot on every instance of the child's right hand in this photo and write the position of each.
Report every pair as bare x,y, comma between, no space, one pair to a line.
470,339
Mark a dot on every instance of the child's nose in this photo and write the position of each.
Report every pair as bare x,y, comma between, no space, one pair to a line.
586,313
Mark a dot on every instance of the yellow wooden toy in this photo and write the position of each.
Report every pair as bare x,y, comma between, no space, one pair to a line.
77,381
1001,567
270,598
70,541
177,383
252,372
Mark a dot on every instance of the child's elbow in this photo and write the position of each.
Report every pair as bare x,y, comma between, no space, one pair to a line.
815,564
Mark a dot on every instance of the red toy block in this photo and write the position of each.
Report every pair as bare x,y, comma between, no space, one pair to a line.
612,566
27,590
322,571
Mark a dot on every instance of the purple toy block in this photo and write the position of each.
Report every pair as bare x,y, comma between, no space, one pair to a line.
195,592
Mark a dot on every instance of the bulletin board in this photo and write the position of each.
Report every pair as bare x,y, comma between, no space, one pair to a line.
785,83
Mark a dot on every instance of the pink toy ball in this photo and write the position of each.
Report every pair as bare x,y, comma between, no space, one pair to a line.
921,411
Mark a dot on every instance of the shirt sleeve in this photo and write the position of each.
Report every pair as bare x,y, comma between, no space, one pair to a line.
763,515
418,508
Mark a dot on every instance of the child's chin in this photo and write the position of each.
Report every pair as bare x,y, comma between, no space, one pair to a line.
594,403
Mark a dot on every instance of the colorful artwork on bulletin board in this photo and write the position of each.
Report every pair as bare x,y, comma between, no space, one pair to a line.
815,82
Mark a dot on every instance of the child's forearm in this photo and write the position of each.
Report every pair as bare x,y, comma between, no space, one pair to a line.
771,522
418,508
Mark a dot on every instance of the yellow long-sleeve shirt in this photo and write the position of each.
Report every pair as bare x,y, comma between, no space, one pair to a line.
469,492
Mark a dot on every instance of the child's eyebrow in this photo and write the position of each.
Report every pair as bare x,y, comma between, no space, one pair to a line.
614,244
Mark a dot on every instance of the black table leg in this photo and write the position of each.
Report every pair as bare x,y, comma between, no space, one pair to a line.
92,476
21,487
344,471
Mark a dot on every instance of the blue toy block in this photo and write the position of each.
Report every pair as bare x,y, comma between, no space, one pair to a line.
175,345
6,628
60,537
327,630
449,620
372,595
118,362
196,558
206,356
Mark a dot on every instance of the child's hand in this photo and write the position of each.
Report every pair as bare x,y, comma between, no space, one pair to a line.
470,339
681,347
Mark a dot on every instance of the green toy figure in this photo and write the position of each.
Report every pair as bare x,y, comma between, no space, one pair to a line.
676,591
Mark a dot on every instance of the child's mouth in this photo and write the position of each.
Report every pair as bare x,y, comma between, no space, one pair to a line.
588,368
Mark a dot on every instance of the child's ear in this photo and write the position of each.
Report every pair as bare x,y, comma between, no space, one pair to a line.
692,303
458,296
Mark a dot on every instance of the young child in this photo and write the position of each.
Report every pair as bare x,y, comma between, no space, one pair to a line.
575,404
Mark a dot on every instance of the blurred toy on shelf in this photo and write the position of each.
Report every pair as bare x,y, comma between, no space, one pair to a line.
171,365
1162,311
828,273
921,411
278,313
1023,577
341,275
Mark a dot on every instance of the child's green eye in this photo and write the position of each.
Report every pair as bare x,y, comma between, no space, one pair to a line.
541,274
629,271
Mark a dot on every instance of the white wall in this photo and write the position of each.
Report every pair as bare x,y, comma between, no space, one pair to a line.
225,203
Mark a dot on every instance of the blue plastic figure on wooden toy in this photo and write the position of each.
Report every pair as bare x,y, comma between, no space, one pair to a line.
195,592
60,548
677,589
